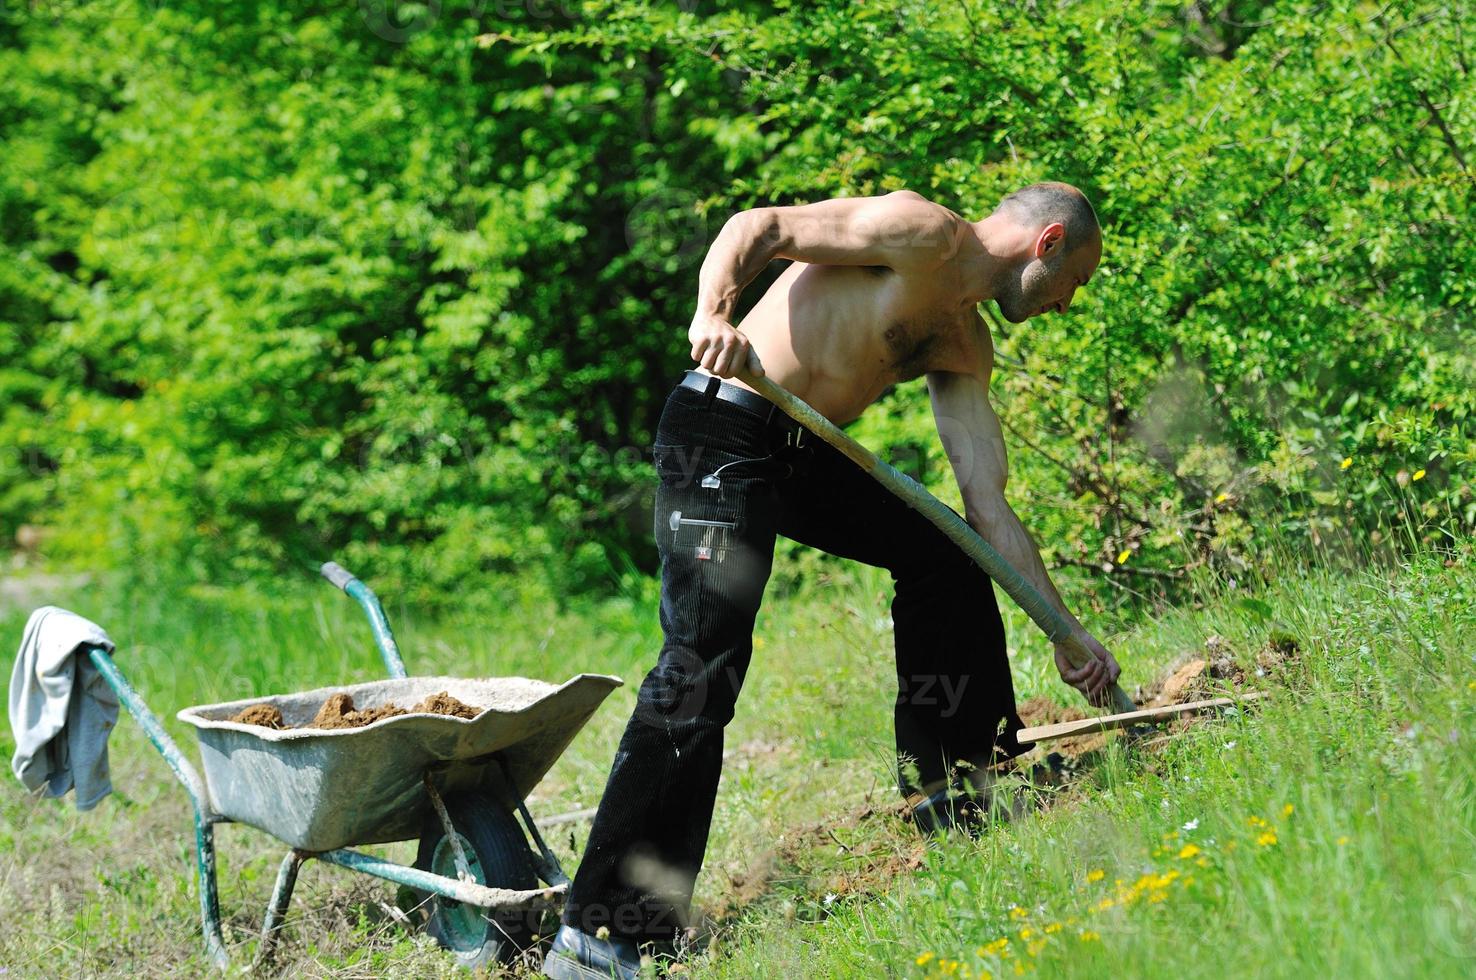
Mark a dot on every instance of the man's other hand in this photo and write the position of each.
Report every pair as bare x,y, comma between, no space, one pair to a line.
1096,676
720,348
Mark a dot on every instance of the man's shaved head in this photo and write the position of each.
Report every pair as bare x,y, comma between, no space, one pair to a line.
1051,243
1052,201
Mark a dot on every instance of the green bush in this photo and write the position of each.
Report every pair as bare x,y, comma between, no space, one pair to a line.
279,283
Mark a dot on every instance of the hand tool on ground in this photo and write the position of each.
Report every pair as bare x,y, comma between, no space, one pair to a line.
958,530
1103,723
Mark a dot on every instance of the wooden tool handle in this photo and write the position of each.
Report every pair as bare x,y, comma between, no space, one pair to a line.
1082,726
916,496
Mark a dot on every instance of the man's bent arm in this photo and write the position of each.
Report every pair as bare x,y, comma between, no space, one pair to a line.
971,436
901,230
970,433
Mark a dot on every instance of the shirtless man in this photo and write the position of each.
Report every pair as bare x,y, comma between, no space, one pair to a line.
881,290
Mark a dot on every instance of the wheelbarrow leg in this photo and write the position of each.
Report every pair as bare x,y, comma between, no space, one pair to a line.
276,914
205,820
209,897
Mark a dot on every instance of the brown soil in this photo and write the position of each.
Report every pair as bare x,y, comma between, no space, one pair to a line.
338,712
873,861
1043,711
1215,672
442,703
263,715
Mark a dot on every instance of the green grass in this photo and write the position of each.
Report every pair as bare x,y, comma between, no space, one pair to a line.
1360,766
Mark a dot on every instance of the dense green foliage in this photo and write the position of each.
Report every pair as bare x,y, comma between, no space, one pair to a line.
285,280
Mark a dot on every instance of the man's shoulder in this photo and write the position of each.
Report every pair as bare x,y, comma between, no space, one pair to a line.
932,223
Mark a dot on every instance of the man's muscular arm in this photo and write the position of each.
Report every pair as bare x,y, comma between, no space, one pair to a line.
902,231
971,436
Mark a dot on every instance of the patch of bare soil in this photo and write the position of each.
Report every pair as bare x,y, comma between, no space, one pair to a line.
1216,671
871,862
1043,711
338,712
1029,782
1219,671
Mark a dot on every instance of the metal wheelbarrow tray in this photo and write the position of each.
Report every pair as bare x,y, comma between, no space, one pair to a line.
458,784
320,789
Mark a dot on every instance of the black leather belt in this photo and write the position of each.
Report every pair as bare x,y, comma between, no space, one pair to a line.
728,392
744,398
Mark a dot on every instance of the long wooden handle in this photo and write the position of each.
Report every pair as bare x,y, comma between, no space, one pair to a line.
1081,726
916,496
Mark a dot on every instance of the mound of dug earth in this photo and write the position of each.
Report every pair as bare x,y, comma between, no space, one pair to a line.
339,712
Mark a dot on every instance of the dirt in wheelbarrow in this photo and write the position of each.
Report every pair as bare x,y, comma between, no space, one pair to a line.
339,712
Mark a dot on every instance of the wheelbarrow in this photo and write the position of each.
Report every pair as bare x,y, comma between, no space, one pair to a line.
456,784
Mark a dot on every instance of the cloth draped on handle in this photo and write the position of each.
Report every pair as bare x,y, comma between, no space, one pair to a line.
61,708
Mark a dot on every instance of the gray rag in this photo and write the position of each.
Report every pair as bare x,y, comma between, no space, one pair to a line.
61,708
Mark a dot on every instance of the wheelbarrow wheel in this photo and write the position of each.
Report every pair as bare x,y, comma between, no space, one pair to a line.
497,855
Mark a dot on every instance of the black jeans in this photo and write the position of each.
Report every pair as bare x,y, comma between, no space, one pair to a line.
731,477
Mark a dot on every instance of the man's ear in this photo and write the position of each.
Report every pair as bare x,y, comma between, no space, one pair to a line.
1050,240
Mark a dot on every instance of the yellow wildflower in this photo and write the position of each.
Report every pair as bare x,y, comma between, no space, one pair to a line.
1097,874
1026,933
1343,840
1418,475
1016,912
1255,821
998,946
1347,462
1188,851
1222,498
1034,948
1052,927
1126,553
1286,811
1103,905
1267,838
925,959
1089,936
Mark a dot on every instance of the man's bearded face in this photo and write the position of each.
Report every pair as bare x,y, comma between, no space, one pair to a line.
1031,289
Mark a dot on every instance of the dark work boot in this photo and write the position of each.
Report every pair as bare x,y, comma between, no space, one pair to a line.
949,809
577,955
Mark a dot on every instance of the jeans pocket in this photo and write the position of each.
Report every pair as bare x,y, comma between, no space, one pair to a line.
679,465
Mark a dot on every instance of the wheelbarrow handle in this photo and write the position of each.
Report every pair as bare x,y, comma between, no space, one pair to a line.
384,637
337,574
915,495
